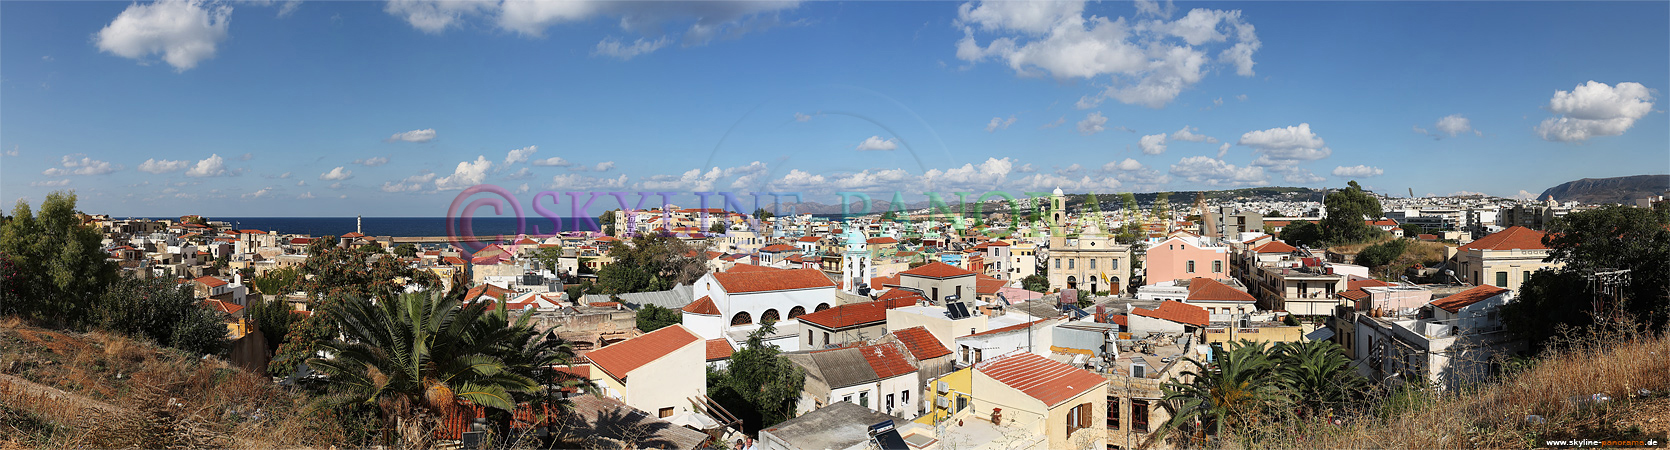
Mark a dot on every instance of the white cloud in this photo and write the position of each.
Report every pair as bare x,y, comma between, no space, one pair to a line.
259,194
162,166
467,174
1595,109
412,183
372,162
338,174
799,117
424,135
707,20
184,32
1127,164
1188,134
1026,168
605,166
1242,97
284,175
1042,181
1294,174
1093,123
520,154
246,157
700,180
877,143
53,183
613,48
1215,172
520,174
81,166
999,123
1285,146
13,151
1148,62
1357,171
436,16
305,196
1069,170
1223,150
1058,122
577,181
523,189
1153,144
211,166
336,185
1450,126
554,161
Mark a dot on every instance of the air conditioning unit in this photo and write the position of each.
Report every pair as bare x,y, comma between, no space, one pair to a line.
942,403
943,387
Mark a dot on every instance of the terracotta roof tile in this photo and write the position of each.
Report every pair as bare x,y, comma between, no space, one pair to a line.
856,314
881,240
1176,311
620,359
1048,381
938,270
886,360
209,281
1015,327
224,307
984,285
810,239
1274,247
702,306
772,280
779,248
878,282
1354,294
1119,319
718,349
922,344
742,267
1366,282
1456,301
1515,237
1207,289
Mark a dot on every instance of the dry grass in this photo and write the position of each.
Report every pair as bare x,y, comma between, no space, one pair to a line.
1619,364
108,391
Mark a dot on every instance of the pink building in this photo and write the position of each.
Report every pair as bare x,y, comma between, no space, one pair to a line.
1184,256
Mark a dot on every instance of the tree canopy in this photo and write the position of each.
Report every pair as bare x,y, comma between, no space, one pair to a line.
651,262
1605,239
59,270
652,317
1347,210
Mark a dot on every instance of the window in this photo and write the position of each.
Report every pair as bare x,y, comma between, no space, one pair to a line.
1058,263
962,403
826,338
1191,266
977,356
965,355
904,397
864,399
1113,413
889,402
1501,279
847,399
1217,267
809,341
936,293
1139,415
666,412
1525,277
959,292
1078,418
1114,265
1092,263
1070,262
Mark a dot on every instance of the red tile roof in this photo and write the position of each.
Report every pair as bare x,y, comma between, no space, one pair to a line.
228,308
878,282
779,248
487,290
1515,237
1048,381
938,270
1119,319
1274,247
1354,294
772,280
454,260
881,240
886,360
1381,223
1015,327
856,314
922,344
353,235
893,294
1176,311
620,359
997,244
702,306
718,349
209,281
810,239
1208,289
1459,300
984,285
743,267
1366,282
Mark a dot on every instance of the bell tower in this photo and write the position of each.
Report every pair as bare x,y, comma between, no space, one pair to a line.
856,266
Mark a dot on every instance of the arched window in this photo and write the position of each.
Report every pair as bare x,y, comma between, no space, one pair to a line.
741,318
797,311
821,307
770,315
1072,282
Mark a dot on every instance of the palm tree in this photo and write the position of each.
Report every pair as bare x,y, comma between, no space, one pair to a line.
421,352
1238,385
1317,373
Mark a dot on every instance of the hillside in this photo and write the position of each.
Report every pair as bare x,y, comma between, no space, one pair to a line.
99,390
1609,190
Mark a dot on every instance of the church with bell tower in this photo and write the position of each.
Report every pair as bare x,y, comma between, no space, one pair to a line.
1082,257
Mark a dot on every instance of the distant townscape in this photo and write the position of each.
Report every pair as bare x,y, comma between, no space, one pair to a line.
1077,321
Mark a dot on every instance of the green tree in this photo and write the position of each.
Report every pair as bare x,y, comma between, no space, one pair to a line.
1272,213
765,379
406,251
1036,283
58,262
273,317
1269,229
762,214
1608,238
1381,254
1318,374
164,312
1241,386
422,351
652,317
607,222
718,228
651,262
1302,234
1412,231
333,274
549,258
277,282
1347,211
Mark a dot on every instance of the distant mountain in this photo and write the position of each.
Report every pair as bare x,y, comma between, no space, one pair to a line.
1609,190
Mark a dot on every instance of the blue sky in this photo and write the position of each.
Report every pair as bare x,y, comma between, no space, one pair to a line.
388,109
